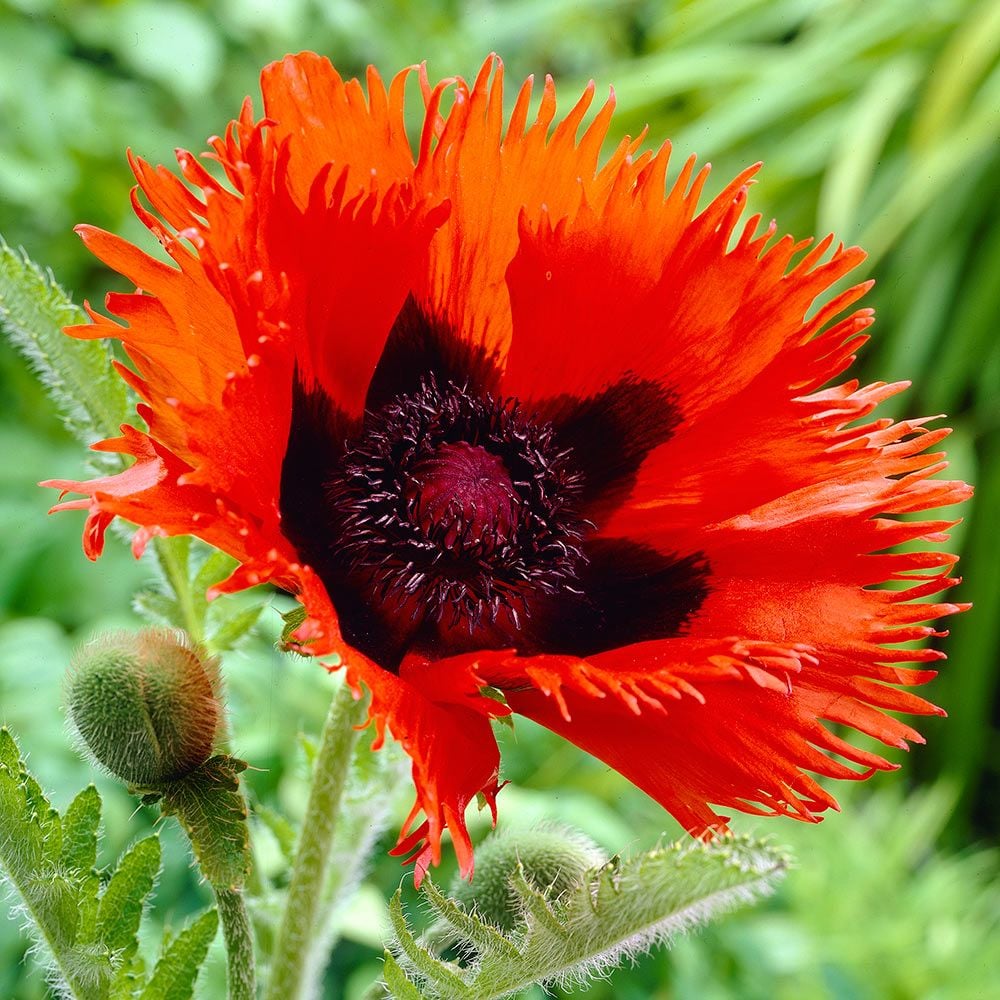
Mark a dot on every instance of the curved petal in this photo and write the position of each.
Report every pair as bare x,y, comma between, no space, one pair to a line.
328,120
272,291
439,715
703,722
492,175
644,285
792,579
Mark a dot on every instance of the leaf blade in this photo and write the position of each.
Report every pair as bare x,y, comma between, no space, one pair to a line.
77,374
177,969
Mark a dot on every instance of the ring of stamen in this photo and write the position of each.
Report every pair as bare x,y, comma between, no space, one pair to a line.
459,505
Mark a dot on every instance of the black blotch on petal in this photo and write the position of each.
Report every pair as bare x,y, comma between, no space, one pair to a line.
317,438
419,345
630,593
611,433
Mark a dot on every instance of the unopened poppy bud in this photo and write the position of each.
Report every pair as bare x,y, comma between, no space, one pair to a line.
145,704
552,859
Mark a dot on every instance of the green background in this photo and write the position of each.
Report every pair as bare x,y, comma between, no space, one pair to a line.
876,119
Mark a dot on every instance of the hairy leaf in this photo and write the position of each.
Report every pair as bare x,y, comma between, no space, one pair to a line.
176,971
87,938
79,831
187,569
619,910
126,893
209,805
91,397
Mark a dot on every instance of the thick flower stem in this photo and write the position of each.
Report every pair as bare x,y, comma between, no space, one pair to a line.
239,943
330,773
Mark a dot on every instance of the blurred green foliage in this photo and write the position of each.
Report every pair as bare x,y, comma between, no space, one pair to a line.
876,119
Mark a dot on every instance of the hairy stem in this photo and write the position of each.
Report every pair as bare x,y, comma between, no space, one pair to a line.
330,772
239,943
176,571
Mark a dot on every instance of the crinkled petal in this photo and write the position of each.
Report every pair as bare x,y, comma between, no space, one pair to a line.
441,718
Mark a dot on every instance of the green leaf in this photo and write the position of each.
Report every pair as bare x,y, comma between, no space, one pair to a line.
78,375
216,566
209,805
125,895
188,568
79,831
283,831
292,619
234,625
616,912
395,979
86,940
486,938
442,978
157,607
22,836
855,160
176,971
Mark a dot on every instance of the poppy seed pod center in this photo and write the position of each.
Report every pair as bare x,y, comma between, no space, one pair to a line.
456,512
463,494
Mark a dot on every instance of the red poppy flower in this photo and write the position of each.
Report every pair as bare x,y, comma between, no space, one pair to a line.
503,417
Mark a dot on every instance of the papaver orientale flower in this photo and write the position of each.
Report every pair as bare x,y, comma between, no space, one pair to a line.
505,419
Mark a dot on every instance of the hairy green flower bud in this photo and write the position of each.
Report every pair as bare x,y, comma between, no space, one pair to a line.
553,859
146,704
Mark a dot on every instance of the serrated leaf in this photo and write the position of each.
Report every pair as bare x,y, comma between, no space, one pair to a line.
443,976
486,938
216,567
78,375
292,619
616,912
157,607
535,904
177,969
54,897
234,625
79,830
400,988
22,839
87,943
129,976
209,805
9,753
90,939
125,896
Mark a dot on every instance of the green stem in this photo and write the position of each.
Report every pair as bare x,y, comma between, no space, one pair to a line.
239,943
330,772
176,571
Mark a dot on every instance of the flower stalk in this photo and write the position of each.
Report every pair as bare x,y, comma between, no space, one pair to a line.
330,775
239,943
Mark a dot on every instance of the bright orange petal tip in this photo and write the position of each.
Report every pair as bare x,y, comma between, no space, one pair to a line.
526,428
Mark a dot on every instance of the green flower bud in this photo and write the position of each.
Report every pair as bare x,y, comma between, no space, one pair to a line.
553,859
146,704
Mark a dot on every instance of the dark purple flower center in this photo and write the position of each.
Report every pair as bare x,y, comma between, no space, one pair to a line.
449,518
461,495
455,514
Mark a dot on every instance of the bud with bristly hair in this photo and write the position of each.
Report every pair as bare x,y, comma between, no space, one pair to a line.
146,704
551,858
